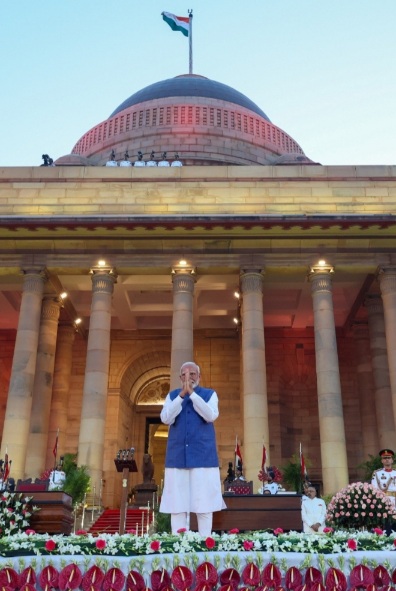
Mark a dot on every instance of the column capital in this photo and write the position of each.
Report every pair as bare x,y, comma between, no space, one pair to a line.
321,281
387,279
183,281
374,304
50,309
34,279
251,281
103,279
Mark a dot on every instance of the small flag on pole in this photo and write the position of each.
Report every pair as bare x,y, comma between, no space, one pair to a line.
55,450
304,474
7,467
177,23
264,460
238,457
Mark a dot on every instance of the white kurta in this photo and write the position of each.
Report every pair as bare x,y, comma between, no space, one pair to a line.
313,511
196,490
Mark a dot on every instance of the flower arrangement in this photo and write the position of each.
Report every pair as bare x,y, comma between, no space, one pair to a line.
272,472
15,513
360,505
129,544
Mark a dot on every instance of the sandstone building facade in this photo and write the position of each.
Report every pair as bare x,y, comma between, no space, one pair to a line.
151,258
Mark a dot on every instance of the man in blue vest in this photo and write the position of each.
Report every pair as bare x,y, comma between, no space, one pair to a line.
192,475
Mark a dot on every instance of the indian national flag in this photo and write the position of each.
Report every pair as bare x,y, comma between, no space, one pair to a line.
177,23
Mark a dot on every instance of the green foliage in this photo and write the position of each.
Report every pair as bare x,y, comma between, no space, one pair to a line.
162,522
77,479
367,468
292,479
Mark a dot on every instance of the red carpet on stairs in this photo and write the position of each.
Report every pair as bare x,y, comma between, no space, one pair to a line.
109,521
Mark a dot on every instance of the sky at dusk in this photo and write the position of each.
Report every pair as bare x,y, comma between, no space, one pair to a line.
323,71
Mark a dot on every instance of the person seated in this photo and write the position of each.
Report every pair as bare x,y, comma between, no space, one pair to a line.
56,479
239,475
313,512
270,487
270,477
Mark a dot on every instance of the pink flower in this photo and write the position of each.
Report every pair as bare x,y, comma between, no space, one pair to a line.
352,544
30,532
328,530
100,544
378,531
247,545
210,543
278,531
234,531
50,545
155,545
81,532
132,532
181,530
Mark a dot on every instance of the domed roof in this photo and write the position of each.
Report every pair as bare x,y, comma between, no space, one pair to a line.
190,85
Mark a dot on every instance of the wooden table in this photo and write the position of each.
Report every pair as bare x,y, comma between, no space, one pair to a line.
257,512
56,512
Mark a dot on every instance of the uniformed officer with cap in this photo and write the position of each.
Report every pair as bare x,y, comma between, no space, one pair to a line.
385,477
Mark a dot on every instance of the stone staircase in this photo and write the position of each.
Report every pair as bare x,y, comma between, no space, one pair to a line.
108,522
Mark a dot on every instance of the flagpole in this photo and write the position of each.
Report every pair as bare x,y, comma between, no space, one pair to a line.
190,61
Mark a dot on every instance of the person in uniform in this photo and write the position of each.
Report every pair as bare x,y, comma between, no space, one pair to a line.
313,512
270,487
385,477
192,475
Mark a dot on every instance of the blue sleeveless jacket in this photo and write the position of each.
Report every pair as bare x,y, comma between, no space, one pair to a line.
191,440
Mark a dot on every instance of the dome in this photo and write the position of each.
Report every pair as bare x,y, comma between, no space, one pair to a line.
205,122
190,85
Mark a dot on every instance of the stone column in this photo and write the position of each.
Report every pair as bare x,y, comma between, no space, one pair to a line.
60,391
387,280
182,322
255,404
19,401
331,418
379,362
93,413
366,387
42,389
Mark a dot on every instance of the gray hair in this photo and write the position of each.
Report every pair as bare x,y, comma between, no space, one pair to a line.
190,363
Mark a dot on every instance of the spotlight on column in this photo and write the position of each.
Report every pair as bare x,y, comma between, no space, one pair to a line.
237,295
235,320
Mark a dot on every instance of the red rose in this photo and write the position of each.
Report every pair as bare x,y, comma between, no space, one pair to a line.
328,530
278,531
50,545
181,530
155,545
352,544
100,544
234,531
247,545
378,531
81,532
30,532
210,543
131,532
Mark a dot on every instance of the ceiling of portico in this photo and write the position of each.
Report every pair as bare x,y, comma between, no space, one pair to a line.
143,294
143,256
